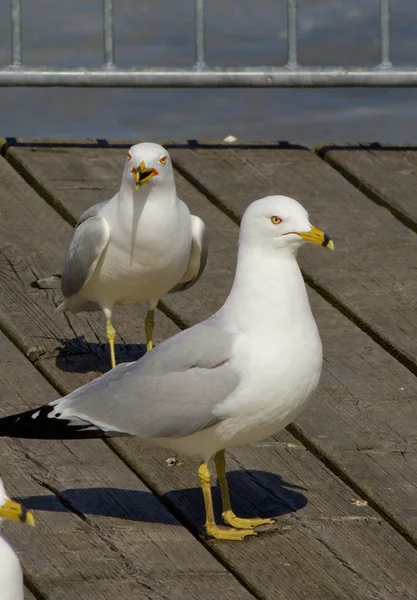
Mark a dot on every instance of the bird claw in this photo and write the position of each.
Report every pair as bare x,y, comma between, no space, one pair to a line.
231,519
229,534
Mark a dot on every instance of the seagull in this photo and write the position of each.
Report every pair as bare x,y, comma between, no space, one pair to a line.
238,377
11,579
138,246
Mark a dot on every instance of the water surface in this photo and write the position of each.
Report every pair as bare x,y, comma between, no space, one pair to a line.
239,32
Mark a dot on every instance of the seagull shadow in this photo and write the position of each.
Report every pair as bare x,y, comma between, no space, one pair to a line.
76,355
253,493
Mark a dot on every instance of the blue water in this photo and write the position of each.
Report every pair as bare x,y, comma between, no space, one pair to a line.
239,32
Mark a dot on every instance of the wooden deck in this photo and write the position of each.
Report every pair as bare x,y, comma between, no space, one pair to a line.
113,521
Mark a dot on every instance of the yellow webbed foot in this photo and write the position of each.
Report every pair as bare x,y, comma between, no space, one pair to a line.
230,518
228,534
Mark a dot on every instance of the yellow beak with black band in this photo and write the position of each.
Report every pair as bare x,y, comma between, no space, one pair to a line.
16,512
318,237
142,174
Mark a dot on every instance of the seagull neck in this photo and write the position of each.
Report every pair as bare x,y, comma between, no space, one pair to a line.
268,289
129,197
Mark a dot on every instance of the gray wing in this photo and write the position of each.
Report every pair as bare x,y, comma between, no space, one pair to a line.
171,392
54,281
198,256
93,211
88,241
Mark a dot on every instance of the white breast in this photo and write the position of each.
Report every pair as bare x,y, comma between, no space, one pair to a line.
11,580
277,388
144,259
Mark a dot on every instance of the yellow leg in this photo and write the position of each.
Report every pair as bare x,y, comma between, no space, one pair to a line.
212,529
228,515
110,335
149,324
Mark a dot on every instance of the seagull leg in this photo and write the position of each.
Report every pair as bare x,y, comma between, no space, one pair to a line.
110,335
228,515
212,529
149,324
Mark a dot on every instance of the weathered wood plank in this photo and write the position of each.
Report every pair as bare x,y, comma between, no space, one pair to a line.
369,273
29,595
123,537
358,377
109,590
82,183
387,173
354,550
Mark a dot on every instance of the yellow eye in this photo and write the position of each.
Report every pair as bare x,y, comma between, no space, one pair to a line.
129,156
276,220
163,160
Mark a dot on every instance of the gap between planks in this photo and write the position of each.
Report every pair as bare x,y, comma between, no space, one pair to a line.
325,150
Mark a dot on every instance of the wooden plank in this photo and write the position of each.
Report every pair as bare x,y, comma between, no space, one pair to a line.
355,368
84,185
322,545
118,536
307,552
28,594
387,173
369,274
109,590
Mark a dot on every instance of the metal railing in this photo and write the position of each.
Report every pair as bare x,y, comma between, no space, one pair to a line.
200,74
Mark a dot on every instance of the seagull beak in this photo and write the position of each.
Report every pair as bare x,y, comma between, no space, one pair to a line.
16,512
143,174
318,237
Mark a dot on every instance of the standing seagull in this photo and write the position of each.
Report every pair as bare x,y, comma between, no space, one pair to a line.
234,379
11,579
138,246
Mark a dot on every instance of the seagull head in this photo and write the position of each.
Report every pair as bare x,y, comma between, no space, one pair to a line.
281,222
9,509
149,164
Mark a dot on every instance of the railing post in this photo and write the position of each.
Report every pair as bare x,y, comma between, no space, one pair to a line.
292,34
200,49
108,33
16,22
385,33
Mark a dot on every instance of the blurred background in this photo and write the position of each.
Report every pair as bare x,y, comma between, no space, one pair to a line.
238,32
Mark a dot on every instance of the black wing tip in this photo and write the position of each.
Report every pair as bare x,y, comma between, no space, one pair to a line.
37,424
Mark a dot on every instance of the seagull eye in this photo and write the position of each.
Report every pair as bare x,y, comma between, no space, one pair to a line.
163,160
276,220
129,156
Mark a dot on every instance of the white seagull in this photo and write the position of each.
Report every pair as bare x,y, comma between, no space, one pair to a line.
138,246
236,378
11,579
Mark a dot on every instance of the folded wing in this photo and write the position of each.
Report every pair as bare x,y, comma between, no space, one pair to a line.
171,392
198,256
87,244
